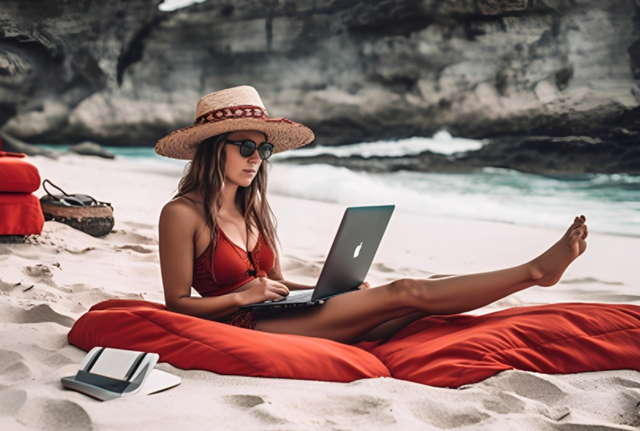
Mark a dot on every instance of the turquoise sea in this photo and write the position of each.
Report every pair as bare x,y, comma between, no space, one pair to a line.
610,202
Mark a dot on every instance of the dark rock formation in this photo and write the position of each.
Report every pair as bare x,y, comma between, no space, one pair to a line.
13,145
125,73
55,55
426,161
88,148
537,155
634,52
555,155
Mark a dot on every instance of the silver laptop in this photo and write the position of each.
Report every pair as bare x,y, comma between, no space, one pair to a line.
348,262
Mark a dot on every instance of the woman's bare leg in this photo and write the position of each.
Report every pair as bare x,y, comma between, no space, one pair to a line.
388,329
349,317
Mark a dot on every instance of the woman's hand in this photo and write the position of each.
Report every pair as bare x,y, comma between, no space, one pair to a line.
262,289
364,286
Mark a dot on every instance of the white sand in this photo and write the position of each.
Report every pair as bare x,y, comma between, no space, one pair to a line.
50,282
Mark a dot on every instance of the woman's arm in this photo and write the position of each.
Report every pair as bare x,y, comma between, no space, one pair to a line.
178,227
179,223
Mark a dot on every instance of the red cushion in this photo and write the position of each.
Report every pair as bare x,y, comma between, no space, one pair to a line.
192,343
20,214
450,351
445,351
18,175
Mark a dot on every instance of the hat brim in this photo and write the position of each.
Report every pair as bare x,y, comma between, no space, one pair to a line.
282,133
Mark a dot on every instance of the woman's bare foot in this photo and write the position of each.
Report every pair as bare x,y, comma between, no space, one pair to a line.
547,268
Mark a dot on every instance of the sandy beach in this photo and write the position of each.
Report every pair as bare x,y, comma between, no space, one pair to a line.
50,281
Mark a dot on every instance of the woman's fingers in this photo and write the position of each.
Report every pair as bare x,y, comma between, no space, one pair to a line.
281,291
276,287
271,289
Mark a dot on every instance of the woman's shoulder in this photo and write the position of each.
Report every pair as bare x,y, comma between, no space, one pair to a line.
183,210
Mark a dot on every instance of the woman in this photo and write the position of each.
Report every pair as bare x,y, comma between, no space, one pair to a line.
218,235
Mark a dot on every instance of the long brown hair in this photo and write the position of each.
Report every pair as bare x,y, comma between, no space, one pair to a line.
206,175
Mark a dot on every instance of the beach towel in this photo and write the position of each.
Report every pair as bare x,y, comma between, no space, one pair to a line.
444,351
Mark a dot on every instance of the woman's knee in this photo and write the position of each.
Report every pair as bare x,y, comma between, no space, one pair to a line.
409,290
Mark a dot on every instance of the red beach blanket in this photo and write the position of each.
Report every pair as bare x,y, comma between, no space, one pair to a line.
445,351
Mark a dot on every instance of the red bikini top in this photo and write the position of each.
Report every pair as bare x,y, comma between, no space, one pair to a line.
232,266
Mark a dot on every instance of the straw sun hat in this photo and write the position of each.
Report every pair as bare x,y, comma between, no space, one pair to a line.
230,110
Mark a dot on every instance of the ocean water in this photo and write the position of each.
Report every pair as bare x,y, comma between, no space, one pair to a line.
610,202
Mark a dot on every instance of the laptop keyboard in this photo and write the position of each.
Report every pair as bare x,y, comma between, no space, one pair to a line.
299,295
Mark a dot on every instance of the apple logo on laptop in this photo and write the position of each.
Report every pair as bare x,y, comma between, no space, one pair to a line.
357,251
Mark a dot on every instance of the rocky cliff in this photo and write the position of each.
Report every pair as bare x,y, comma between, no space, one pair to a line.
126,73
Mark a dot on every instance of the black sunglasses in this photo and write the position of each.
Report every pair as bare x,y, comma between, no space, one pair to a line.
248,147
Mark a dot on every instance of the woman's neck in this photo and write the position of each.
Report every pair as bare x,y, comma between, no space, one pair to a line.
229,198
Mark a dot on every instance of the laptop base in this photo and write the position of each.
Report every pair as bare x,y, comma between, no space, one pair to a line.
292,303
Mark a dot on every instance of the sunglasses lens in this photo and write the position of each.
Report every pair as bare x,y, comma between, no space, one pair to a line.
265,150
247,148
